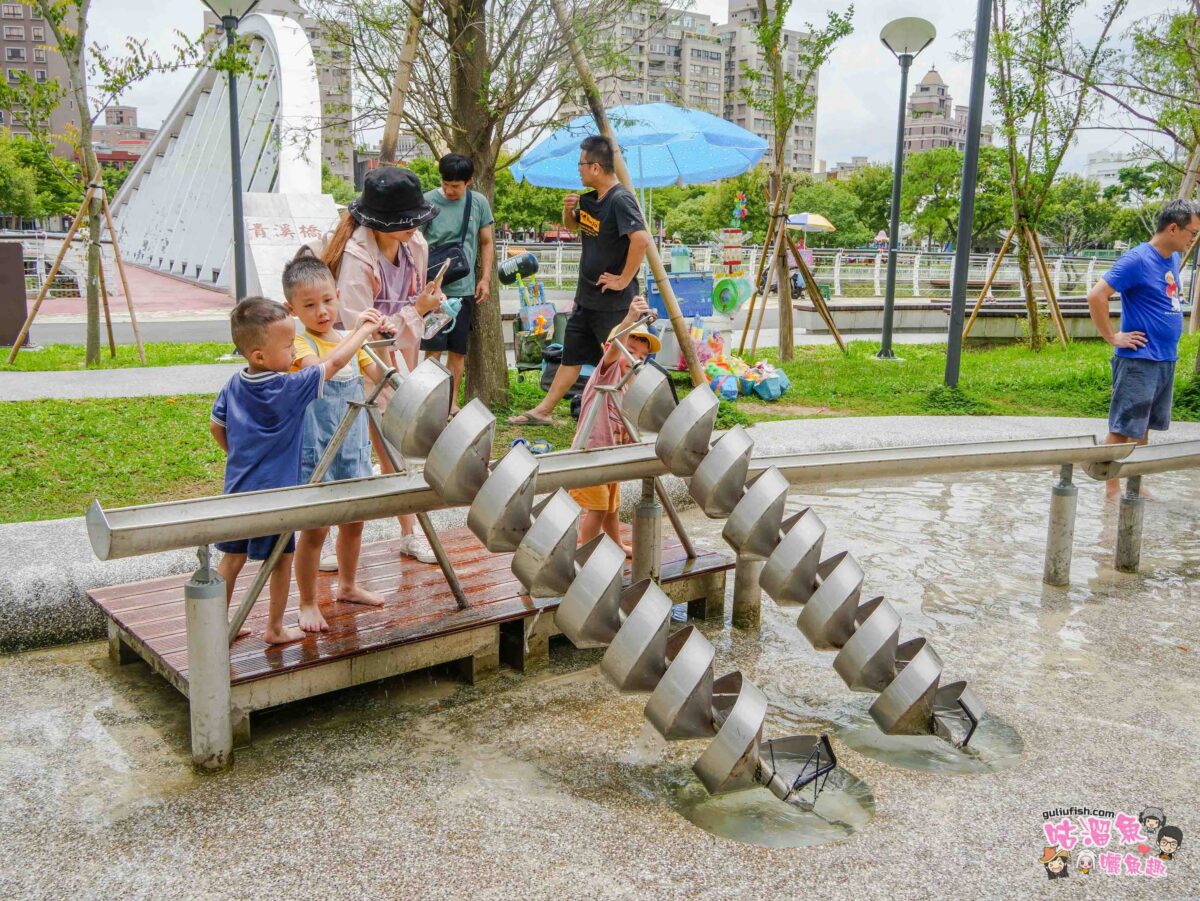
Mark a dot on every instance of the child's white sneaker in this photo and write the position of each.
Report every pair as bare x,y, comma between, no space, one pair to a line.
414,545
328,562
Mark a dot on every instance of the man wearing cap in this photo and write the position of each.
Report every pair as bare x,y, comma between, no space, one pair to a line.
613,242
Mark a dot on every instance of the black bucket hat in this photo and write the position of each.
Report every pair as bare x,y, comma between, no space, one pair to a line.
391,201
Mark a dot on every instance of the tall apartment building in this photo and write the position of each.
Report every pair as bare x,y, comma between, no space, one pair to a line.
932,119
27,48
333,76
682,57
673,57
742,49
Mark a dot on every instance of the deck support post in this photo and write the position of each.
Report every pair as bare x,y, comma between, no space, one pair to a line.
1060,533
209,693
747,595
647,535
1129,527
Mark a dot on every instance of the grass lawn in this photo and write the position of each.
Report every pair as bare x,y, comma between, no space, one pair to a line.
70,357
56,456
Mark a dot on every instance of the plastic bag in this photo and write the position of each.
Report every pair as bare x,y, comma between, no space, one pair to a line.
725,387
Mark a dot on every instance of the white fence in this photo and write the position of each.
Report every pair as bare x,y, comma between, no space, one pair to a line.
863,273
39,250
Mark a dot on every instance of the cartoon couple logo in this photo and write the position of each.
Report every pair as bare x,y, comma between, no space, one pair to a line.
1167,839
1161,842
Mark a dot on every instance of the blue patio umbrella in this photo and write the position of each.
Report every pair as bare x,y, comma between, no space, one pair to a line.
662,144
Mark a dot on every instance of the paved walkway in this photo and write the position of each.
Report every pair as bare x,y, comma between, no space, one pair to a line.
133,382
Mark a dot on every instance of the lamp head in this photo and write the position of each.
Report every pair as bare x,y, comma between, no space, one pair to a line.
907,36
230,9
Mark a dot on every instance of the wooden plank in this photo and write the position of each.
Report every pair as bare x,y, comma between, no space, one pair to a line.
419,608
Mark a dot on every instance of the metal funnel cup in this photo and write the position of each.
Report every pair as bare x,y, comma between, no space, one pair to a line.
720,480
416,414
753,528
906,706
545,559
648,400
502,511
590,614
681,705
731,761
683,439
457,465
636,659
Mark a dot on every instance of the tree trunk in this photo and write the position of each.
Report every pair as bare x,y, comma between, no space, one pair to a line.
1031,307
487,365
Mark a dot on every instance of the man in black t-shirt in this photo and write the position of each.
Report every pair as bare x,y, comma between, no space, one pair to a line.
613,241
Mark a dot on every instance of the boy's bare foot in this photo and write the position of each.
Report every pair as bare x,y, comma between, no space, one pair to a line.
358,595
242,633
628,549
285,635
311,620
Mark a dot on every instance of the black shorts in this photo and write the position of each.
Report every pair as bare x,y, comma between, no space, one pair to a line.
454,339
587,330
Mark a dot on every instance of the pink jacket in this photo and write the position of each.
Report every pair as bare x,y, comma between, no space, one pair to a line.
358,283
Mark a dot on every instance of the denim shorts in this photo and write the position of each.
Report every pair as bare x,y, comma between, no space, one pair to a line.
255,548
1141,396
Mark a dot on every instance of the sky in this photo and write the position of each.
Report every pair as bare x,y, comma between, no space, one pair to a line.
859,87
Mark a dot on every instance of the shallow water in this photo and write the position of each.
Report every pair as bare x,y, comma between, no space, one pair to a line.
87,748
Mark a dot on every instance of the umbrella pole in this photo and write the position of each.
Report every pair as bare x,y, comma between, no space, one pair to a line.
652,256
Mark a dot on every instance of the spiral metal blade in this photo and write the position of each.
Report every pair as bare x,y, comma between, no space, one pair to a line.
753,528
590,613
416,414
544,561
732,760
684,438
636,659
681,705
648,400
457,464
720,480
502,511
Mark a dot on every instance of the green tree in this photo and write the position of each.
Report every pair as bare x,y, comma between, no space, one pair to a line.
692,220
56,180
838,203
336,186
932,194
18,185
1143,188
525,206
1076,215
872,185
1042,75
784,97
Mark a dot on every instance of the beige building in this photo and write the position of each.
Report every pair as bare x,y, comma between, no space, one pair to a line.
121,127
933,121
28,48
333,76
741,49
675,57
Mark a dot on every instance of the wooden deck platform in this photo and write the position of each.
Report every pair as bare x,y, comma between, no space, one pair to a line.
420,625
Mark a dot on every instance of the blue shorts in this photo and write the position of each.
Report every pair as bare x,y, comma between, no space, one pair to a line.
1141,396
255,548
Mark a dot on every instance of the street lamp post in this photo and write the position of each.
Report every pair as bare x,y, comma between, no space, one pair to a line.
905,38
966,211
230,13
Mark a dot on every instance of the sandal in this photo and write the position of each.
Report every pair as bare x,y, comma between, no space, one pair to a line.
528,419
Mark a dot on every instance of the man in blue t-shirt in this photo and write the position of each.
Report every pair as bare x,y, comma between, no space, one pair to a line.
1147,346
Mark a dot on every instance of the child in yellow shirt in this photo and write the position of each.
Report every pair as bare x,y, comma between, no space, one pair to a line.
312,298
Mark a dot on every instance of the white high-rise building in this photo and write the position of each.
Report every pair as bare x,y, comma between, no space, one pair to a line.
1104,166
742,49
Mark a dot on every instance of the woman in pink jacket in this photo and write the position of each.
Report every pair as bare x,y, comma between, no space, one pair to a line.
379,259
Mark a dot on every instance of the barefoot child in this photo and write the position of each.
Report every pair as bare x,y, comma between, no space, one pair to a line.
312,298
600,502
258,420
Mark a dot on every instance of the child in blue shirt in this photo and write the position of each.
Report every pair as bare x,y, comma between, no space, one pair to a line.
258,420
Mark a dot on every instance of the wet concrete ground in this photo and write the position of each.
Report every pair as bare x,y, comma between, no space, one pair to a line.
555,787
